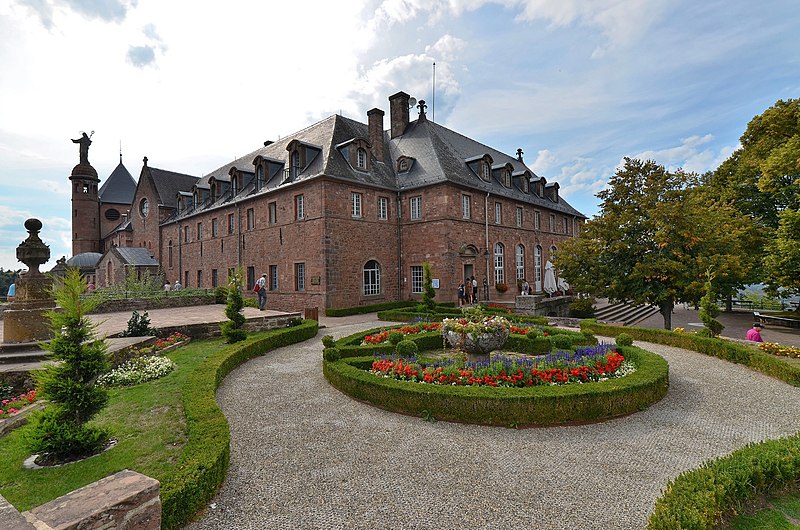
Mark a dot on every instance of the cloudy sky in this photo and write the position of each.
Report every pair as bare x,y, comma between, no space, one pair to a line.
577,84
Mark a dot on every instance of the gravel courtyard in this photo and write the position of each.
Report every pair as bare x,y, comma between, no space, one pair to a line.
303,455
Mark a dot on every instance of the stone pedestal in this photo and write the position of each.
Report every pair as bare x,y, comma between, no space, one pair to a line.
540,305
26,320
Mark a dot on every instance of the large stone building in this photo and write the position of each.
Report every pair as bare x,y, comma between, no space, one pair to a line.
344,214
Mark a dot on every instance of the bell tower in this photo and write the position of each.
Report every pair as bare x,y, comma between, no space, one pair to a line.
85,204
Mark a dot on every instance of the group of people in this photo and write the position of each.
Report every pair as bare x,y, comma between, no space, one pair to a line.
468,292
170,287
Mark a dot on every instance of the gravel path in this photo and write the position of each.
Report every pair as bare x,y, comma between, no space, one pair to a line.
303,455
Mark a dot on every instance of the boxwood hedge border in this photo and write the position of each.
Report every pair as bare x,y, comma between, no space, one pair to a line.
510,407
723,349
702,498
204,460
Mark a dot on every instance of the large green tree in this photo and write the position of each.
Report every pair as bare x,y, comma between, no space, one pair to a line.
762,179
655,239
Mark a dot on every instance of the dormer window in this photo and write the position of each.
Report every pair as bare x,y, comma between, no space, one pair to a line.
259,177
506,178
214,193
361,158
525,184
486,171
402,166
294,166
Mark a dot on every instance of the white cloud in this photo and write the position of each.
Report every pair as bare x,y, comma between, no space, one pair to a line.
544,161
689,155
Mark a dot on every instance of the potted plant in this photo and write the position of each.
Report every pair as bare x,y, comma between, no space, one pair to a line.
501,287
476,335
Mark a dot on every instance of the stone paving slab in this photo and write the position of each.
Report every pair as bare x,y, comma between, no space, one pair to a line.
303,455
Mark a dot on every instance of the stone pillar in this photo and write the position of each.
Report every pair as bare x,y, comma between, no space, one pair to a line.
26,320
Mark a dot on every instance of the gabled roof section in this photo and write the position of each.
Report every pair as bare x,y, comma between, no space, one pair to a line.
135,256
118,188
169,183
442,155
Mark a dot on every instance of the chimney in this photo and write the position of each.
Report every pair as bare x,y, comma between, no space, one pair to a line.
398,113
375,120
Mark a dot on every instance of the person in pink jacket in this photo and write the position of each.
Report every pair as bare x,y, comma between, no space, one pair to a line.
754,333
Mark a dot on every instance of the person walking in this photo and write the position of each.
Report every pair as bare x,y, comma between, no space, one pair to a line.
261,289
474,283
754,333
467,292
461,294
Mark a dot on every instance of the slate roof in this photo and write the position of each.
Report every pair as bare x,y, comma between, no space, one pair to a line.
168,183
135,256
440,155
119,187
84,260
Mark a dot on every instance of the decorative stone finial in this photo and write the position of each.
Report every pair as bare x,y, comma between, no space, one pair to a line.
33,252
145,161
519,154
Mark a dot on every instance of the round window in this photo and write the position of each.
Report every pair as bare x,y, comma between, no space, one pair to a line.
112,214
144,207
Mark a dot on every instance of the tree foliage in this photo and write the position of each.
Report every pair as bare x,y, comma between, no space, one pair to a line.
428,292
782,261
654,238
69,385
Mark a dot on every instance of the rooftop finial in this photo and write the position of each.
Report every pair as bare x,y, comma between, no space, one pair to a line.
519,154
120,151
145,161
422,106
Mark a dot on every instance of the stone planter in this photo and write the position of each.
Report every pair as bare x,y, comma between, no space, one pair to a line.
477,344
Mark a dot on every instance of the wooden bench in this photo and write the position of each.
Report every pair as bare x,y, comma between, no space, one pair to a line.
778,321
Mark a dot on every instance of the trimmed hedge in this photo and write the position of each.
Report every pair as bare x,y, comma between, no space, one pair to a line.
350,346
361,310
204,460
537,405
408,315
729,351
701,498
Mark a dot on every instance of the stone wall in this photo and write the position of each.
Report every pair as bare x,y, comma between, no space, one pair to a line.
539,305
166,301
124,501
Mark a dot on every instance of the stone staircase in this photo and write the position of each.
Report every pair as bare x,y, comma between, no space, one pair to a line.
627,314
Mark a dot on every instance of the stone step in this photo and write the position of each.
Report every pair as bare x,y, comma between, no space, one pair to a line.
20,357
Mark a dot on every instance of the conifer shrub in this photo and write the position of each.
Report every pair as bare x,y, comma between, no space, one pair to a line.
139,326
61,432
232,329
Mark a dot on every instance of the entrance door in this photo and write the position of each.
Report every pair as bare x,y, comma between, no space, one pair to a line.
468,271
537,268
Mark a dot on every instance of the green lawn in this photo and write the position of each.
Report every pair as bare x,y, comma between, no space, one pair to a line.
147,420
781,513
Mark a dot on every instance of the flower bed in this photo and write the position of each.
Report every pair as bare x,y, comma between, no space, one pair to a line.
383,335
779,350
137,370
11,406
582,366
504,404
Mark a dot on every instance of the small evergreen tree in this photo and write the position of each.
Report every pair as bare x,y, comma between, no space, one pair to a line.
232,329
709,309
139,326
61,431
428,292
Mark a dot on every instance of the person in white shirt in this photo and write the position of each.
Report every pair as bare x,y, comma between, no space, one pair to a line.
261,283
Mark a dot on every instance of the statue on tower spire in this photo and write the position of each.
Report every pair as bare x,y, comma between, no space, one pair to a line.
84,142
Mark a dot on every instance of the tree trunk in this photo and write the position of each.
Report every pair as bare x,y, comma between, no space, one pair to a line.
665,307
728,303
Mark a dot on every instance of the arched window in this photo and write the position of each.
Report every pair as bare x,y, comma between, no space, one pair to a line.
213,192
144,207
520,262
507,178
537,267
361,158
486,171
372,278
169,253
499,273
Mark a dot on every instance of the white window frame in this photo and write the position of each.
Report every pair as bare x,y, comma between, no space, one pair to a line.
300,276
355,205
537,220
383,208
372,278
417,279
466,206
519,215
520,261
499,264
552,222
498,213
361,158
299,207
537,267
415,207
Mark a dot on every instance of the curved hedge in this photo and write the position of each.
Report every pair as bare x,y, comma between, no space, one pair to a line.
701,498
364,309
537,405
442,312
205,457
723,349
